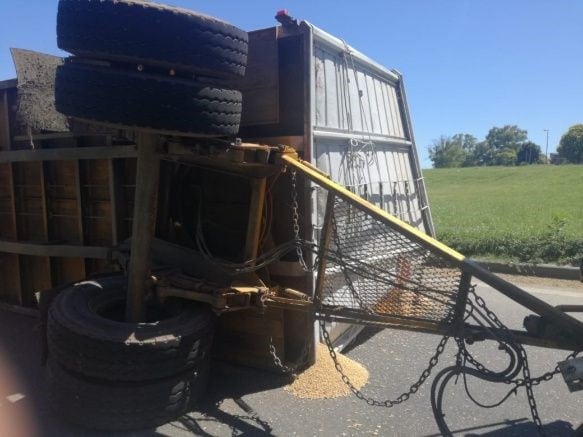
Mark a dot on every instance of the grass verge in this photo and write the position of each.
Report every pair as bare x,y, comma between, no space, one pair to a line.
527,214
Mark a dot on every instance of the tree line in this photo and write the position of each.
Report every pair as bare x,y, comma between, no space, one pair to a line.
508,145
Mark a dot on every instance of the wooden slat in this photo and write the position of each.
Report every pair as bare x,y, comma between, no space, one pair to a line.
44,200
117,207
35,276
37,249
79,202
80,221
4,122
9,83
10,291
13,276
65,270
243,338
107,152
17,309
96,202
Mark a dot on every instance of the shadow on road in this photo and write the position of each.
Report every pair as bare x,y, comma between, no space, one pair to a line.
232,383
558,428
516,428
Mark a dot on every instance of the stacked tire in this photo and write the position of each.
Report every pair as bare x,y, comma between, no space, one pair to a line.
139,65
149,66
105,373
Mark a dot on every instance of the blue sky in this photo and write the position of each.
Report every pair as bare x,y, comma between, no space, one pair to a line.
468,64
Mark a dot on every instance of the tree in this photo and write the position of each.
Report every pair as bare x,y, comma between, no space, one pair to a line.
468,143
505,156
501,146
447,152
571,145
508,136
528,153
483,154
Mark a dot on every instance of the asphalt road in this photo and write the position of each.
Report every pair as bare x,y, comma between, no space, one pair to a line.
247,402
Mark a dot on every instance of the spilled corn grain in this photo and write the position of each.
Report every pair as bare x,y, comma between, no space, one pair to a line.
322,381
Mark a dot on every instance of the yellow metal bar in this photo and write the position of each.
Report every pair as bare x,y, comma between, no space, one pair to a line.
383,216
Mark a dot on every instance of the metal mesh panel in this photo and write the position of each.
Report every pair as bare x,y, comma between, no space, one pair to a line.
373,268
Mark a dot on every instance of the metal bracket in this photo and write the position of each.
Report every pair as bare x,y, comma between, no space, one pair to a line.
237,297
572,371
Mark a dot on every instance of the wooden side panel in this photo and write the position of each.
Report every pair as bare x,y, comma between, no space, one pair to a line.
96,266
62,202
94,175
29,196
10,277
35,274
128,191
7,213
122,174
66,270
260,85
10,289
244,338
4,121
31,225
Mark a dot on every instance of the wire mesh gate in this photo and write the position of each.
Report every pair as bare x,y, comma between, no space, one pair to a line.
374,268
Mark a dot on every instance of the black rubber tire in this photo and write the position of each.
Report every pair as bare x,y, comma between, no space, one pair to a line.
151,33
85,342
123,406
138,100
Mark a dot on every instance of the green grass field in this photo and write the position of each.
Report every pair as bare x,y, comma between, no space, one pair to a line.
529,213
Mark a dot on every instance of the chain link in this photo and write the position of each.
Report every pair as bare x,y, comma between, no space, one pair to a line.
546,376
387,403
296,222
290,369
528,382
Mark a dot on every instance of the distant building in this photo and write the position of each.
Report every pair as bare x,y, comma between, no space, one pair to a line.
557,159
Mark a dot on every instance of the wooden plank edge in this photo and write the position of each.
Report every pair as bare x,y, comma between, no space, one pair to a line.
67,153
24,311
66,251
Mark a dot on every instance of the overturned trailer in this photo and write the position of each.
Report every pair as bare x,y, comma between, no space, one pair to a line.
313,221
66,210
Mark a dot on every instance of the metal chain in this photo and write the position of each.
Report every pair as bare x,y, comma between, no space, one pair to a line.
296,222
290,369
523,356
528,382
387,403
546,376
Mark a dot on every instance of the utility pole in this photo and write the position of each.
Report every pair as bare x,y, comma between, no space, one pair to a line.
547,148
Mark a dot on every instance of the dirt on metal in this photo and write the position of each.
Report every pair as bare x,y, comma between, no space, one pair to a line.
322,380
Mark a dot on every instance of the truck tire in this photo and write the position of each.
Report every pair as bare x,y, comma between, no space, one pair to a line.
142,32
122,406
87,334
139,100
